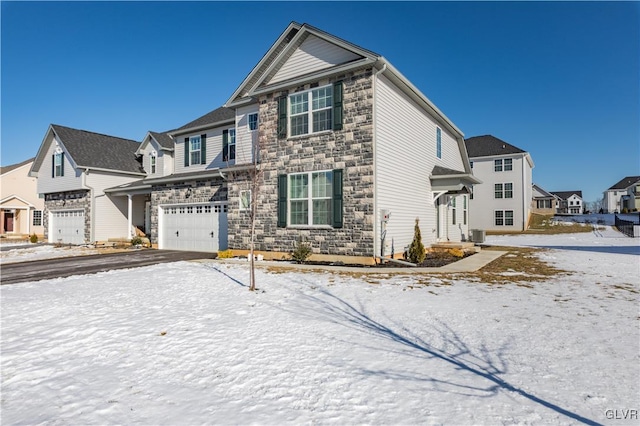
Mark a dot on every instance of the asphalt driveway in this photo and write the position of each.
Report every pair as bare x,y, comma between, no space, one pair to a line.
37,270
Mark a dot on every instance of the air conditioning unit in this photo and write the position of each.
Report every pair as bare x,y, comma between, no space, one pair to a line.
477,235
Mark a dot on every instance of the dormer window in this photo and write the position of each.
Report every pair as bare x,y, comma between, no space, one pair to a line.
58,164
253,121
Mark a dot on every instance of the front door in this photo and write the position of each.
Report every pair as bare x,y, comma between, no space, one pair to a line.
8,222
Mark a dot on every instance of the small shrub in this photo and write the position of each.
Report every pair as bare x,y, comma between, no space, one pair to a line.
33,238
301,252
137,241
455,252
416,250
225,254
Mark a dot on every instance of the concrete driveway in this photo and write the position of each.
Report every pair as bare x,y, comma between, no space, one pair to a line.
36,270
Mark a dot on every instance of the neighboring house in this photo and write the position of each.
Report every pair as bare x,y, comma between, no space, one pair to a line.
543,202
612,195
20,206
503,201
630,202
73,168
342,141
569,202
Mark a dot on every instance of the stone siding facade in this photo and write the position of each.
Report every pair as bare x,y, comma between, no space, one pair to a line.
349,149
188,192
71,200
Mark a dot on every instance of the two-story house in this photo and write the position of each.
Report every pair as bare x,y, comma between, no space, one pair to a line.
20,206
349,155
613,195
568,202
503,201
73,168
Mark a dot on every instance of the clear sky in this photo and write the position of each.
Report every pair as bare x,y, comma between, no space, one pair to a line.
560,80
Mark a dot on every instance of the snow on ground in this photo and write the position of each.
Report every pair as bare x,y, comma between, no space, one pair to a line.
187,343
24,253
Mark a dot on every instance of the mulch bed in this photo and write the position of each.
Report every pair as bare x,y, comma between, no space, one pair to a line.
434,259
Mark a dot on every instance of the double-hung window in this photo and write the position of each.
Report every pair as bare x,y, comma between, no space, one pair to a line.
504,217
438,142
152,162
453,211
245,200
310,199
503,190
311,111
58,164
229,144
195,142
37,218
505,164
253,121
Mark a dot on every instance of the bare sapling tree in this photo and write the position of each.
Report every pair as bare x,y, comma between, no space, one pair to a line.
256,175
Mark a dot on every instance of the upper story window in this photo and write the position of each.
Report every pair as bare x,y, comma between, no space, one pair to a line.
471,164
505,164
229,144
503,190
253,121
195,144
58,164
195,150
312,111
152,162
438,142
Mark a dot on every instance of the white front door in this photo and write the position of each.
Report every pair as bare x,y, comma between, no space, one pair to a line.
197,227
67,227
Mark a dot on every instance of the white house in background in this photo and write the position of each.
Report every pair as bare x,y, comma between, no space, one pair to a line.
503,201
615,192
20,206
569,202
73,168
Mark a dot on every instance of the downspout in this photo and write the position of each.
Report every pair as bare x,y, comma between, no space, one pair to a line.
524,195
91,205
376,222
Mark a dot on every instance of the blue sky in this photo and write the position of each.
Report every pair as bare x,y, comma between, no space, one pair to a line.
560,80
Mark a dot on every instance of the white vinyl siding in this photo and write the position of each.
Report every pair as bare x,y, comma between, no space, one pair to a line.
515,183
164,163
405,154
109,214
213,151
245,137
312,55
48,184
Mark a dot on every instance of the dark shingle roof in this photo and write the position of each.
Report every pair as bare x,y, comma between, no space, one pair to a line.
215,116
163,139
443,171
7,169
626,182
96,150
487,145
566,194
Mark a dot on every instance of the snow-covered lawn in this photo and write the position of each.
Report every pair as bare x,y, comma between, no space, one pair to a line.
40,252
187,343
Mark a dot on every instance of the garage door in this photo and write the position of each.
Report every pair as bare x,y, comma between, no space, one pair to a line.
194,227
67,227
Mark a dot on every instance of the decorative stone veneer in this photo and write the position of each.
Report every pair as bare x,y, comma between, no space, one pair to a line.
187,192
350,149
71,200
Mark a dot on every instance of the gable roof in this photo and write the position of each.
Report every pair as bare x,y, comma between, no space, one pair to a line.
217,116
7,169
542,192
626,182
98,151
566,194
488,145
258,80
163,139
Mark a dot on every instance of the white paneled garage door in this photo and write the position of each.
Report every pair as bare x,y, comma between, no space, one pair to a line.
67,227
197,227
